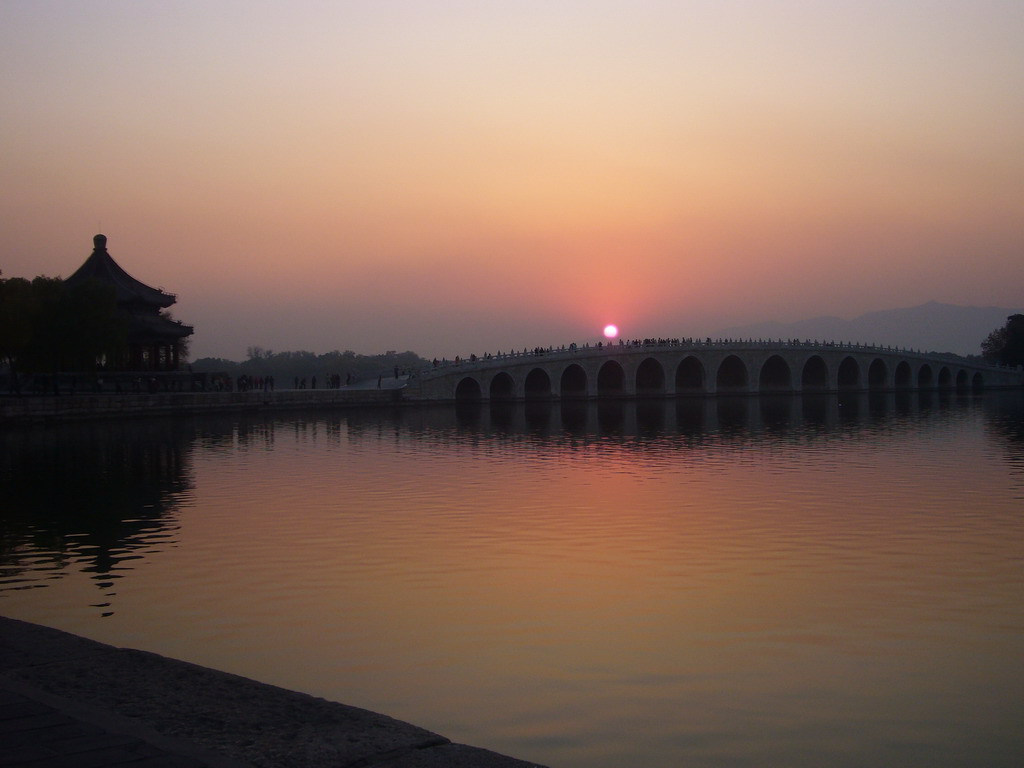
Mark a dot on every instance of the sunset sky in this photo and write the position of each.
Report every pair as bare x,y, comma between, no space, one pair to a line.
453,176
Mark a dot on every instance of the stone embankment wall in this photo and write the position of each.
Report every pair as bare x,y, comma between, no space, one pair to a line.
41,408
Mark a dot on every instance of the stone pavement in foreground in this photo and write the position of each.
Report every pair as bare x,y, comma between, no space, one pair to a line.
66,701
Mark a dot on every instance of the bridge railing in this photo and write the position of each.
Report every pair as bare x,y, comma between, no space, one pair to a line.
487,360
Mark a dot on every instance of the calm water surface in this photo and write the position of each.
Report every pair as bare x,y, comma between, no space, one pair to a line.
728,582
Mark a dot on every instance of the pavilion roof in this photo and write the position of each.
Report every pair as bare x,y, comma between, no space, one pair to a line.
102,267
157,327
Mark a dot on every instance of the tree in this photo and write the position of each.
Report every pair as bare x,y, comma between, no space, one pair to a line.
50,324
1006,345
287,366
47,326
16,313
94,330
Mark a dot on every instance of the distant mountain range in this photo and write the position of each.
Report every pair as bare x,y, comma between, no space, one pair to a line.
931,327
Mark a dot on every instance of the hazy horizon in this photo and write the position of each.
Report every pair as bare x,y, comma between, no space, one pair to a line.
962,341
458,177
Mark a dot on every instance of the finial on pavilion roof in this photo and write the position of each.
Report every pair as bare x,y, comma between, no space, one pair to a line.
99,242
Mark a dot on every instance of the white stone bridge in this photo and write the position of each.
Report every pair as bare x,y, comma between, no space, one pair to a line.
674,367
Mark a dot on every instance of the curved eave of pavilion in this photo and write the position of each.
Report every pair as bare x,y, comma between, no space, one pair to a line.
100,266
157,327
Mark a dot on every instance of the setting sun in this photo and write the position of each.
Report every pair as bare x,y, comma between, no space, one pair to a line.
611,331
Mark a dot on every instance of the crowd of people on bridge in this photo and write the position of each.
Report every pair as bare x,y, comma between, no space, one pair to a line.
687,341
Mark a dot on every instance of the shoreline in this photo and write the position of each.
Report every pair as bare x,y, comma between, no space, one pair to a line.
188,715
26,409
52,409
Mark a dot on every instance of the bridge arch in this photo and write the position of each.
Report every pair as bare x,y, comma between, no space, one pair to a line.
611,379
573,382
732,375
502,387
878,374
468,389
537,384
945,378
814,374
903,378
690,375
848,375
963,380
650,378
775,375
925,379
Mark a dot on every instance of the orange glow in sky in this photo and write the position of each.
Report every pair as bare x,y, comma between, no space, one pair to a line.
462,177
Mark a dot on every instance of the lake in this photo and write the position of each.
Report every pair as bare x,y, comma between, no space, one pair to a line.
797,581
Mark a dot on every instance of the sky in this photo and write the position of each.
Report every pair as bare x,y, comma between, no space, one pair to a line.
455,177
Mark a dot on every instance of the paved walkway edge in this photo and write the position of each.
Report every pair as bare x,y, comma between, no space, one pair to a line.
105,722
181,714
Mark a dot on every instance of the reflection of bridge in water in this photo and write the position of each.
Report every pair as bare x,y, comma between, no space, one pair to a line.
669,368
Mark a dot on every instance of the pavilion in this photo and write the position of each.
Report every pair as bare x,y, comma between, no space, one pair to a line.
154,339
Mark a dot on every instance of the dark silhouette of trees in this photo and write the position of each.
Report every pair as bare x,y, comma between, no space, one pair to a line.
1006,345
286,366
96,333
48,327
16,311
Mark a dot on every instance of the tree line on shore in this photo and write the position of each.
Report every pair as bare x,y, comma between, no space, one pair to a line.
1003,345
47,326
288,367
1006,345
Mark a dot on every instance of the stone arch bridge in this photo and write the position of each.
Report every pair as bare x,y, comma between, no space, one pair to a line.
669,368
